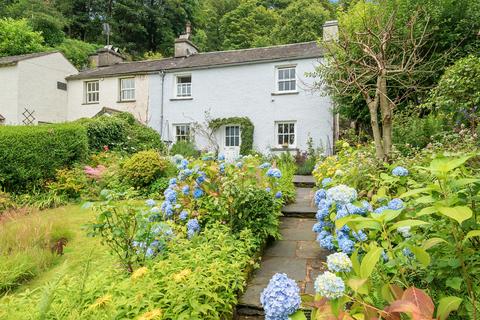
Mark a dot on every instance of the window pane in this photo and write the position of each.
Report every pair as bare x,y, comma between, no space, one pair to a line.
237,141
292,128
292,73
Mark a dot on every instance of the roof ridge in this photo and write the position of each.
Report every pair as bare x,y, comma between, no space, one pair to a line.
257,48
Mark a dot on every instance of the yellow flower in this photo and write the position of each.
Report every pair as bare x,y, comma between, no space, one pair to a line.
151,315
101,302
182,275
140,272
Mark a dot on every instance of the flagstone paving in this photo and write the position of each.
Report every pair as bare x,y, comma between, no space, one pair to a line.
296,254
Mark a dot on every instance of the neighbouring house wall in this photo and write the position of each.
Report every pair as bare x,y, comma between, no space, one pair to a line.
37,87
109,97
9,94
246,91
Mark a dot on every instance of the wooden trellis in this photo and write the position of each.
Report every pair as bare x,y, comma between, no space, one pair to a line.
28,117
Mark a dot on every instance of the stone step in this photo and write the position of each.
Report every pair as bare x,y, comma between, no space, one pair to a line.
297,254
304,181
303,205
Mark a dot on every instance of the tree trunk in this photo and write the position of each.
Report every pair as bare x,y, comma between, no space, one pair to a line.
377,137
386,112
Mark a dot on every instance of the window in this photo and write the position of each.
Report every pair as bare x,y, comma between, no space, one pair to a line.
286,79
232,136
61,86
182,132
184,86
91,91
127,89
286,133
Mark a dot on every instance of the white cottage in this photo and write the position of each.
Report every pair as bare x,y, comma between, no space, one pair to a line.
33,88
267,85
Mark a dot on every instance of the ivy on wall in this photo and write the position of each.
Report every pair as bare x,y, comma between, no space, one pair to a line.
246,129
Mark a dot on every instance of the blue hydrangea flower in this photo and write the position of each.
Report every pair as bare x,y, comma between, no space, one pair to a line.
170,195
183,164
172,182
192,227
385,256
197,193
177,158
280,298
207,157
150,202
265,165
408,253
326,242
268,189
183,215
168,209
330,286
186,190
367,206
326,182
395,204
319,195
342,194
239,165
339,262
322,214
278,195
155,210
221,157
345,244
183,174
274,173
360,235
353,209
400,171
380,209
222,167
341,213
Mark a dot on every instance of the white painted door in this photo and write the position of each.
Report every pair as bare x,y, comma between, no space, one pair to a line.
232,142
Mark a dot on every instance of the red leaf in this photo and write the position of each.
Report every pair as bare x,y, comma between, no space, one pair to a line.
404,306
396,291
421,300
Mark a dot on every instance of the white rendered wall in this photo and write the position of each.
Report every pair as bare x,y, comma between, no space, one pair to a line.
109,97
37,87
8,94
246,91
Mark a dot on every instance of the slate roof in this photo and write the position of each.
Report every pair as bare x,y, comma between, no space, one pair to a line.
12,60
2,117
207,60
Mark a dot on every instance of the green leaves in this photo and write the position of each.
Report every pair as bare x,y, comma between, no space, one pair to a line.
369,262
407,223
299,315
473,233
441,166
459,213
447,305
422,256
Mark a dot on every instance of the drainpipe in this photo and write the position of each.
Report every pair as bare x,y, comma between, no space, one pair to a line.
162,74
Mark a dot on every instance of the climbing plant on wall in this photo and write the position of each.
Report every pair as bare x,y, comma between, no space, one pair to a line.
246,128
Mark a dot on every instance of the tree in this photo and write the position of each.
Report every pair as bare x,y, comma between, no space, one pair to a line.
379,57
77,51
249,25
301,21
17,37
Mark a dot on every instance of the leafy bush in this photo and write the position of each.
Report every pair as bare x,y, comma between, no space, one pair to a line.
77,51
143,168
457,91
185,148
30,154
17,37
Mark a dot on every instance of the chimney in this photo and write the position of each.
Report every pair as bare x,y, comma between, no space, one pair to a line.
330,30
105,56
183,46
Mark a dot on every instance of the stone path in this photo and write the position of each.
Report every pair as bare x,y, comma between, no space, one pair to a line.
296,254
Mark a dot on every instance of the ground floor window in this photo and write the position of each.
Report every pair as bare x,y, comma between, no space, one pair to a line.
286,133
182,132
232,136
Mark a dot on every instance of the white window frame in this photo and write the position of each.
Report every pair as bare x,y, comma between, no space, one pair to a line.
188,132
127,90
91,93
289,80
231,137
286,134
185,88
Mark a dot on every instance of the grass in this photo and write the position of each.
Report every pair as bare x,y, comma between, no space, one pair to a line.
26,258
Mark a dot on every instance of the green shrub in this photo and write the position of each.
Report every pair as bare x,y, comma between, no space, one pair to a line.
255,209
159,186
143,168
30,154
185,148
411,132
140,137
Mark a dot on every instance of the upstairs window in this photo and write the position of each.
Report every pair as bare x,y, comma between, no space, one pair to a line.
182,132
286,133
286,79
92,91
127,89
184,86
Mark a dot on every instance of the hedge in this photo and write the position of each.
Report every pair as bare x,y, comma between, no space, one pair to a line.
30,154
